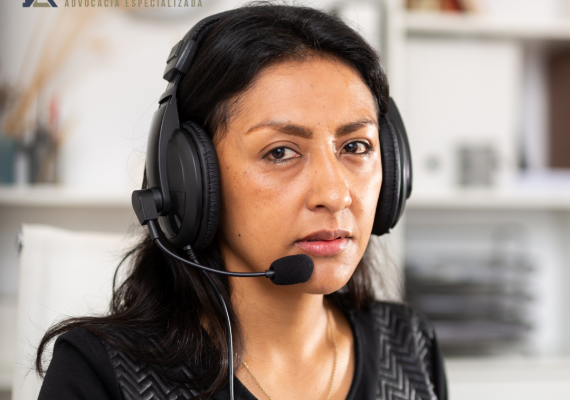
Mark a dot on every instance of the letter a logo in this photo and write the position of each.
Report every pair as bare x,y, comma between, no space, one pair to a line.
37,3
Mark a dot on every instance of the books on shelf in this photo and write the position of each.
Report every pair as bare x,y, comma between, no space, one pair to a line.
559,105
518,9
444,5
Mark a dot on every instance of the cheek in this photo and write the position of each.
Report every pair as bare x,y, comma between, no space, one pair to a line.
258,212
251,199
367,190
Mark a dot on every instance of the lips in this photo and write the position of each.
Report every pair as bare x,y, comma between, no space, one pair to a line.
325,243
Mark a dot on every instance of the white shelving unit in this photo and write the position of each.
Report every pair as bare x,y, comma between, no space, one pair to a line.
545,213
57,196
423,23
61,197
485,200
548,213
71,208
474,379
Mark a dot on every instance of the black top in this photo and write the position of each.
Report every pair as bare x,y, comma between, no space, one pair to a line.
397,357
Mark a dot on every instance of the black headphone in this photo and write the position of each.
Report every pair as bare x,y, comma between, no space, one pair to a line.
182,166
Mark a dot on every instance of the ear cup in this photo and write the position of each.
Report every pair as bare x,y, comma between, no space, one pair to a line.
405,153
208,160
389,199
180,225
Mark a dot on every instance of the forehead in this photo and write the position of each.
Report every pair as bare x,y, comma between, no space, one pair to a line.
314,91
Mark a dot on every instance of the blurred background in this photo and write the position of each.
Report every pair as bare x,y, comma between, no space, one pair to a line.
484,90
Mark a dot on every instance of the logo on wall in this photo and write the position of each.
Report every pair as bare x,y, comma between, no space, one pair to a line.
38,3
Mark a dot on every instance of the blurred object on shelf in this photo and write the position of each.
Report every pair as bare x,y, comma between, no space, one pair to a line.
7,97
444,5
43,150
479,303
430,5
559,103
33,159
57,48
31,122
470,6
477,165
7,157
8,145
508,9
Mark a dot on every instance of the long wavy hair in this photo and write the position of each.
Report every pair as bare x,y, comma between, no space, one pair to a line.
166,301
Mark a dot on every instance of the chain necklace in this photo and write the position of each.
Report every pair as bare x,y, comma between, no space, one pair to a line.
329,391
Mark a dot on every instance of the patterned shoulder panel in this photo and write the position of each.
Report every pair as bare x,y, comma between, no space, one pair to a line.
406,344
139,381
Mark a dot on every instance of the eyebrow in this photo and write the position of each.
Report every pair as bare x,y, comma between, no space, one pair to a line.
296,130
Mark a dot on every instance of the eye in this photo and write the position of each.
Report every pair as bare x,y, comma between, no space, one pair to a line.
280,154
357,148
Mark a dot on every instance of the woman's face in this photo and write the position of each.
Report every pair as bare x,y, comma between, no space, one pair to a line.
301,172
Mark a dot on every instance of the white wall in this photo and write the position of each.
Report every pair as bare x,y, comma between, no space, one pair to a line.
109,91
110,88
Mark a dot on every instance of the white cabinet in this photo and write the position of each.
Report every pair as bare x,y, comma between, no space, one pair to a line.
461,110
65,208
474,81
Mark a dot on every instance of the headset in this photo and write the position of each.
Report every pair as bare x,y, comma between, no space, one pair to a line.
183,179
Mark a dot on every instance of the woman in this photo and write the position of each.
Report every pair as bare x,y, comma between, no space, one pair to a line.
292,99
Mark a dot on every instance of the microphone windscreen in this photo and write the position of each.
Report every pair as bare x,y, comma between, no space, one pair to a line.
291,270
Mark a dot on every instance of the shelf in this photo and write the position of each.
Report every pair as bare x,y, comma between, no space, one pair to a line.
56,196
453,199
516,378
424,23
489,200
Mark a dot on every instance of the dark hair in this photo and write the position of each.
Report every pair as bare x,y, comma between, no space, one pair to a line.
167,301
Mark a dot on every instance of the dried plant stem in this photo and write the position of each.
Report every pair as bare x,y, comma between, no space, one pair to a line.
59,43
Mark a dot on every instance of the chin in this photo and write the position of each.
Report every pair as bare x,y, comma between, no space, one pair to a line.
327,278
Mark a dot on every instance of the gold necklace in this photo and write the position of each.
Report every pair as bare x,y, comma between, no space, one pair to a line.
334,364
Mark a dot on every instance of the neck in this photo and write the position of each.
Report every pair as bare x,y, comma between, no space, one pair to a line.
278,323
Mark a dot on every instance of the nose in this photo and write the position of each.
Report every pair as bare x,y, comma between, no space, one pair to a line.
329,184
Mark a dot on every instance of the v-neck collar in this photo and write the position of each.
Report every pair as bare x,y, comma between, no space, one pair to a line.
241,392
